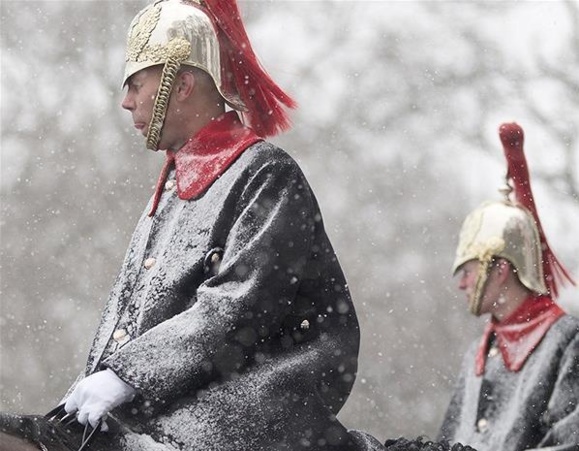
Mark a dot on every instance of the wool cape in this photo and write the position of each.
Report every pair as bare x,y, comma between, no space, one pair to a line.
534,406
238,329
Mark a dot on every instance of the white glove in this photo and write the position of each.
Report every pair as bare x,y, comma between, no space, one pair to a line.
96,395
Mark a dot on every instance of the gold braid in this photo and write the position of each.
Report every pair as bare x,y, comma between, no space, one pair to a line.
161,103
481,280
485,254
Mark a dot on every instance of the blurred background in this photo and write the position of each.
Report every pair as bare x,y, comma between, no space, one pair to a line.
400,102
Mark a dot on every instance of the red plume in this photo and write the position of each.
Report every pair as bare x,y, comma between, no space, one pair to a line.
241,70
512,138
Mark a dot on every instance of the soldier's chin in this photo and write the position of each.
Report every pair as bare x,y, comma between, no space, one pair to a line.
162,145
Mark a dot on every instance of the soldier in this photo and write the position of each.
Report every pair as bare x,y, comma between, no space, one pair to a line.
518,388
230,326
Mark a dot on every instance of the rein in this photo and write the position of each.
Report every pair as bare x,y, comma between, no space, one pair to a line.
59,416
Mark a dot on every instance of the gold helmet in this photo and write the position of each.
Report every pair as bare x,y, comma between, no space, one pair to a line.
501,230
209,35
510,229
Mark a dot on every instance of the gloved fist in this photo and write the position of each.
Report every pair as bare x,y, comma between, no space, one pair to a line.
96,395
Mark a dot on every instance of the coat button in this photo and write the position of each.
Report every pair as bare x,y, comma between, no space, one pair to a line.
212,261
121,336
482,425
493,351
150,262
169,185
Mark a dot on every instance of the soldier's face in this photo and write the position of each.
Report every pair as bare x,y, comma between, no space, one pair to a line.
467,278
467,282
140,96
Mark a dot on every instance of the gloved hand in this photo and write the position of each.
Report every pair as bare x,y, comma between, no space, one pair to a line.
96,395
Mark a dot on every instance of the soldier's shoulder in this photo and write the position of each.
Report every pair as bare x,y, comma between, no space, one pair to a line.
570,322
566,329
266,153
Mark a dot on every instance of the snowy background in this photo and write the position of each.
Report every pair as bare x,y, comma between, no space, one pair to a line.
400,102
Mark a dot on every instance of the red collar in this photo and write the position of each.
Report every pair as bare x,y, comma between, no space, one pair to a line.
205,157
519,334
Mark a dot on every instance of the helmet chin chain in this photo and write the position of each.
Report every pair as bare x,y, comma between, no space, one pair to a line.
475,303
161,103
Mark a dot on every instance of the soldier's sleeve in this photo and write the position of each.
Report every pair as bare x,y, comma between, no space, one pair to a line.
268,245
562,416
453,414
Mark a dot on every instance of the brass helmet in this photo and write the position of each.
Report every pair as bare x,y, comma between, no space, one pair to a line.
501,230
510,229
176,31
209,35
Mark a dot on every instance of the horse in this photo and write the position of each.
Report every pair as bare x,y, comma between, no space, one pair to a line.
57,431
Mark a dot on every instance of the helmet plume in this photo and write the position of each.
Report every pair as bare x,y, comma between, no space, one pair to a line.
512,138
263,98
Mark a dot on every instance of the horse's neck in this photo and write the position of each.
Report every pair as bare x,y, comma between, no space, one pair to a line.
12,443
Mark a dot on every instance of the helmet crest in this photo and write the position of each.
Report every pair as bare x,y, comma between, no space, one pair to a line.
512,138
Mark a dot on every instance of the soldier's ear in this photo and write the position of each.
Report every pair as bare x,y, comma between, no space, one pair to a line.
184,84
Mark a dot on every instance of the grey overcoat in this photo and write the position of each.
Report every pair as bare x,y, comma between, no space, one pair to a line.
232,318
536,407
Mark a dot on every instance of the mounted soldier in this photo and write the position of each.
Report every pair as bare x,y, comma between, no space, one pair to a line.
230,325
518,388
